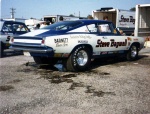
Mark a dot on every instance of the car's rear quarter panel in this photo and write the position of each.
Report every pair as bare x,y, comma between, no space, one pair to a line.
66,43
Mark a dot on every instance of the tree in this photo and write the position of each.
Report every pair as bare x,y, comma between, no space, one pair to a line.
89,17
132,9
71,15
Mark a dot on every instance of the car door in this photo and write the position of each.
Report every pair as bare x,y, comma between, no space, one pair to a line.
109,39
6,31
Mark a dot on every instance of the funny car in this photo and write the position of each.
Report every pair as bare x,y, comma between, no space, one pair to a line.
76,43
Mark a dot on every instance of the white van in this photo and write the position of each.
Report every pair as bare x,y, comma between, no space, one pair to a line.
123,19
55,18
142,23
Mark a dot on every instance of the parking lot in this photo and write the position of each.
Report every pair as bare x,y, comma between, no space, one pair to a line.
112,86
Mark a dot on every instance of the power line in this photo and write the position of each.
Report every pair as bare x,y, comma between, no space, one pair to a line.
12,12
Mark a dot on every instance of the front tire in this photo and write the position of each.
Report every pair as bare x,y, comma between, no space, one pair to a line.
132,53
79,60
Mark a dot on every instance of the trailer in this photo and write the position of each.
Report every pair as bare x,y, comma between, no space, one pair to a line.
55,18
15,19
32,22
122,19
142,23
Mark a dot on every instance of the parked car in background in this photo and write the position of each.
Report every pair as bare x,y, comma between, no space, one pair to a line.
8,29
76,43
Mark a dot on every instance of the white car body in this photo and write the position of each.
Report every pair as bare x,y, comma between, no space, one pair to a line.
8,29
86,41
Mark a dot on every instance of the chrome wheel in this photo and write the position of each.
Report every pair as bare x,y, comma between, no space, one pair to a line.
133,51
82,58
79,60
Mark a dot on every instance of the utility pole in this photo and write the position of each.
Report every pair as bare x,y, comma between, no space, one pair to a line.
79,13
12,12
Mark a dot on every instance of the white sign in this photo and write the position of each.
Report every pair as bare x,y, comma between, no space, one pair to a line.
126,19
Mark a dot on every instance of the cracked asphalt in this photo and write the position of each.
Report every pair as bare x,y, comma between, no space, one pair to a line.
110,87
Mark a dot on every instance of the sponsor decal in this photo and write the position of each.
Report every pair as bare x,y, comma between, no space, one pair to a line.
61,42
57,54
130,19
103,53
61,45
112,43
83,41
135,39
81,36
116,44
121,51
110,52
96,53
102,44
115,52
130,39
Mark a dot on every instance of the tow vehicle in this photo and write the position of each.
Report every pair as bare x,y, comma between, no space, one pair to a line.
142,23
123,19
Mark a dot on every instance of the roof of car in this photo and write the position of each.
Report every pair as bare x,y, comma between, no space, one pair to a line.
11,21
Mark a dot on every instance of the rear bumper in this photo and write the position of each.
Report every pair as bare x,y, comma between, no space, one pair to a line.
34,50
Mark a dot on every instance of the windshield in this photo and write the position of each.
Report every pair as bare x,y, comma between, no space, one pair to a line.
64,25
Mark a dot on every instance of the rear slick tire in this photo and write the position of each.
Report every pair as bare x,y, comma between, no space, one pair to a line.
79,60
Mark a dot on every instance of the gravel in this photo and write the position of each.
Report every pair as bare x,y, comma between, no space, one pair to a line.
110,87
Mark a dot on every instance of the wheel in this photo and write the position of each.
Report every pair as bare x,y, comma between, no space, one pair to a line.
1,50
132,53
79,60
45,60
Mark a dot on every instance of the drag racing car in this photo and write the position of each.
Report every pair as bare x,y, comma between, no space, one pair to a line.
76,43
8,29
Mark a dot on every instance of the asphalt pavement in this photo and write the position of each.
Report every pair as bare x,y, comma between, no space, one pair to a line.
145,50
110,87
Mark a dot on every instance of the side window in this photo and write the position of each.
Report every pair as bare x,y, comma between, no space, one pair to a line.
92,28
19,27
15,27
114,30
107,28
7,27
62,27
104,28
